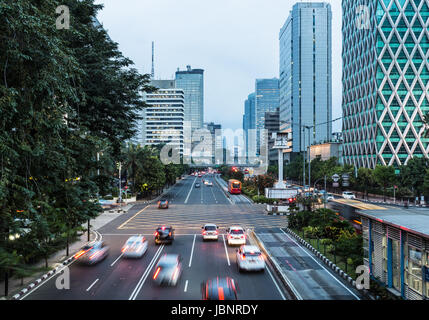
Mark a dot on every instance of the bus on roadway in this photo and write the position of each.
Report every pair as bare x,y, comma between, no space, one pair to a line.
234,186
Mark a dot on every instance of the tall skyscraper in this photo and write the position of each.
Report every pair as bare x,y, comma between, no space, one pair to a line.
249,118
163,119
385,81
192,83
266,99
272,126
306,74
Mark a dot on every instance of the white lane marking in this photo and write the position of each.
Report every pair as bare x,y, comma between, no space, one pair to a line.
289,284
46,281
226,250
92,285
117,259
223,192
320,265
269,272
145,274
120,227
190,190
186,286
192,251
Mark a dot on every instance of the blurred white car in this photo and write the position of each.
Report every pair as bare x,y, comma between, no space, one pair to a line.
330,197
236,235
92,253
348,195
168,270
209,232
135,247
250,258
209,184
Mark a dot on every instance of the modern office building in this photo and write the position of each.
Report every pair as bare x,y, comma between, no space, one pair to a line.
192,83
266,100
385,81
217,143
163,120
249,119
306,75
272,125
396,249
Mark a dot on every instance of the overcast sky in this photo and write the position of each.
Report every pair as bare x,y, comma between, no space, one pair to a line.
234,41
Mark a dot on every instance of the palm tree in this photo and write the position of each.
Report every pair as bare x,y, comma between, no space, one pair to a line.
131,161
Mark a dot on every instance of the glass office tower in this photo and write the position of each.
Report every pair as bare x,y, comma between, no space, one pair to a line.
385,81
249,117
192,83
267,99
306,74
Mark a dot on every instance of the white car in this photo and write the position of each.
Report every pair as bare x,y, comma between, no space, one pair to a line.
348,195
168,270
209,232
209,184
330,197
135,247
250,258
235,235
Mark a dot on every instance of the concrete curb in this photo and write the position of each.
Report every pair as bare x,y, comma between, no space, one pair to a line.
41,279
330,264
289,287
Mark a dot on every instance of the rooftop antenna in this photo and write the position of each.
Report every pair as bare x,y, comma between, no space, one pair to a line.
153,67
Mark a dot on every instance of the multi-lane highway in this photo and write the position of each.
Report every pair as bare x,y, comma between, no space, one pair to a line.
190,208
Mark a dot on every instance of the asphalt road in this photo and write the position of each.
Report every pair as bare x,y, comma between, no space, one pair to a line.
117,278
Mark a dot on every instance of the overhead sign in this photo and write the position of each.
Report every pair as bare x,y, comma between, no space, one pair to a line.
335,177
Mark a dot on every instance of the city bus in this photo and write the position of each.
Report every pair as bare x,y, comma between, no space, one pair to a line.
234,186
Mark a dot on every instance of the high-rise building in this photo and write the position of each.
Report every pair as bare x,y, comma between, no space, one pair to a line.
163,119
192,83
249,119
272,126
217,145
306,74
385,81
266,100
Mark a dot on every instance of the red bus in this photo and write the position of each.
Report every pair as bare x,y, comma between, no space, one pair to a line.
234,186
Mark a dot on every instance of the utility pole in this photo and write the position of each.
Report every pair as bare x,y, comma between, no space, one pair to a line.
324,202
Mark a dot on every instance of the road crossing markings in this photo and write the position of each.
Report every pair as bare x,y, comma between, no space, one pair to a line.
192,251
145,274
226,250
190,190
320,265
121,226
92,285
117,259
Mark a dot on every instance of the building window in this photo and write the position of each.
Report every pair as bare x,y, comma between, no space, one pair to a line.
413,269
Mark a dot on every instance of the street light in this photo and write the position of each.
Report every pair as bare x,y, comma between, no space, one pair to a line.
305,149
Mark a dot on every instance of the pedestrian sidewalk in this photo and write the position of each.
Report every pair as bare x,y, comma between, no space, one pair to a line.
56,259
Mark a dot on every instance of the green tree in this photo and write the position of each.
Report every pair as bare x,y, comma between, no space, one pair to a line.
412,175
385,177
365,179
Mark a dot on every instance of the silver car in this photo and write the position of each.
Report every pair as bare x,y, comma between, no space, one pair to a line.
250,258
168,270
92,253
135,247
